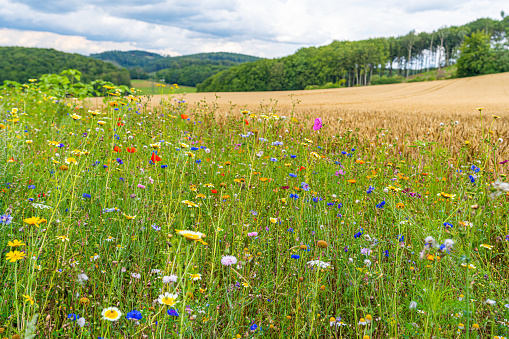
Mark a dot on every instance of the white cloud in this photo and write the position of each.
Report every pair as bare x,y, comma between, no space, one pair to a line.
267,28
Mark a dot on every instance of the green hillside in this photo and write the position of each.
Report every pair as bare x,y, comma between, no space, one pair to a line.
20,64
129,59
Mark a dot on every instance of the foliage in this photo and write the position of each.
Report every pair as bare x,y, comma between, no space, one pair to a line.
476,56
66,84
129,59
364,62
21,64
187,70
384,80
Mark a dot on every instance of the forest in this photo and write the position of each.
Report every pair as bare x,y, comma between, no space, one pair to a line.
376,60
20,64
187,70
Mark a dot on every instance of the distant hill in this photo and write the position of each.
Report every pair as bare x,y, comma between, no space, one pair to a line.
129,59
20,64
187,70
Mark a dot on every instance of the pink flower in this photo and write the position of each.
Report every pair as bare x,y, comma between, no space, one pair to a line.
150,180
252,234
141,186
228,260
318,124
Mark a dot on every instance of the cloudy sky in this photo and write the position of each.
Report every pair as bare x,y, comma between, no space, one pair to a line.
266,28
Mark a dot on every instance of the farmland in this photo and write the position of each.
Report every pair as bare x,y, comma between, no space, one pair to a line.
375,212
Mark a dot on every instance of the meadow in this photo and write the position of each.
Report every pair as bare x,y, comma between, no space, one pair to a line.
257,216
146,87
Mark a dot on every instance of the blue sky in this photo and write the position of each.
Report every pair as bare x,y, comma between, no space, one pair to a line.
266,28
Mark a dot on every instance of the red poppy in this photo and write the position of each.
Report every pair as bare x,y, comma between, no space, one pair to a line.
155,158
116,149
131,150
214,191
301,168
184,116
247,122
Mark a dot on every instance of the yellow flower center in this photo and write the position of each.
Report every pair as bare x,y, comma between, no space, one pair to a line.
111,314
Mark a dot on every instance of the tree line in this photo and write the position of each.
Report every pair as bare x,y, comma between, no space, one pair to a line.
187,70
20,64
356,63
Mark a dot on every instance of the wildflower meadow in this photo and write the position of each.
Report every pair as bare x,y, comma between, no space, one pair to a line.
188,221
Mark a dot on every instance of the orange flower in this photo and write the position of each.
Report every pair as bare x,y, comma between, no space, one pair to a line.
116,149
184,116
352,181
359,161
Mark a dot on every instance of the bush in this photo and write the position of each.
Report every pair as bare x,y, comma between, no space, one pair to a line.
377,80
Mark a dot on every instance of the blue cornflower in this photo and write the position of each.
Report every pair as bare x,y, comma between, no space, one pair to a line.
194,148
72,316
164,166
294,196
120,161
134,315
290,230
304,186
448,224
331,203
155,227
317,199
253,212
87,196
370,190
253,327
386,253
292,175
357,235
475,169
472,178
295,256
381,205
173,312
31,186
273,159
343,152
198,161
5,219
340,205
293,156
402,238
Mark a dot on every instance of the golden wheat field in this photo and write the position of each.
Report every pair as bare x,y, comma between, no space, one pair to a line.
410,111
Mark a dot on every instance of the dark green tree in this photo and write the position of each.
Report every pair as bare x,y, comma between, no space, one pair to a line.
476,56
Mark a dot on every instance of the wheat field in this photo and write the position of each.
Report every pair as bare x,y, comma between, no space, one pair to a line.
408,111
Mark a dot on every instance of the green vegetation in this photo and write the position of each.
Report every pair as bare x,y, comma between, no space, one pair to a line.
365,62
479,57
181,222
21,64
129,59
187,70
146,87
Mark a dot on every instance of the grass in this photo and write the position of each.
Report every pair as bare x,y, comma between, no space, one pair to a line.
148,87
291,231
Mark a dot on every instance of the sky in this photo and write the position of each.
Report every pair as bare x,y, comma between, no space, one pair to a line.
264,28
